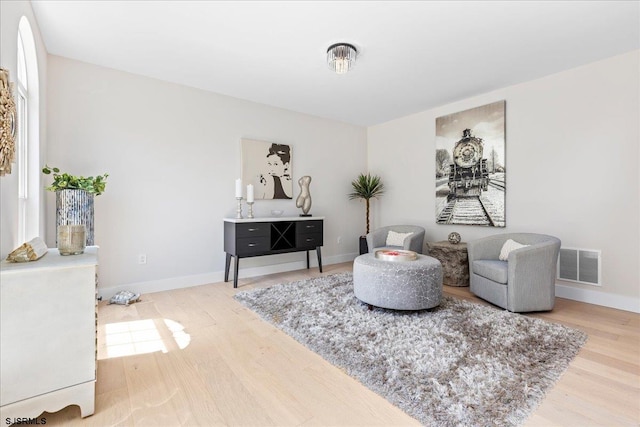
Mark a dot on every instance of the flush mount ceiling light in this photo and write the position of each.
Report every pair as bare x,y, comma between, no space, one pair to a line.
341,57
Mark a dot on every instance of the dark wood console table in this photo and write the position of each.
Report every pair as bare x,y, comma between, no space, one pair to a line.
244,238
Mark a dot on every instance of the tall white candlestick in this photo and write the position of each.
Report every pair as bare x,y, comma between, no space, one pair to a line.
250,193
238,188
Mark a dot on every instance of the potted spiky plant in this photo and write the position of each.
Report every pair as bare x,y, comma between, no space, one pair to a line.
366,187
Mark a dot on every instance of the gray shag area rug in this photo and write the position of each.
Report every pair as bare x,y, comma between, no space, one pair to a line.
459,364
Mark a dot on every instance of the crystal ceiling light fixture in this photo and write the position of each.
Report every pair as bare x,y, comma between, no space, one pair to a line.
341,57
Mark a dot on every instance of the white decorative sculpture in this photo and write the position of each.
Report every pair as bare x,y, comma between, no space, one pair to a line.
29,251
304,199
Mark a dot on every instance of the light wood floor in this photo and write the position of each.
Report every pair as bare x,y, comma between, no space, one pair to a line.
228,367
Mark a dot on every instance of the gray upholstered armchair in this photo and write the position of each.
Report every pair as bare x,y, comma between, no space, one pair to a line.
525,281
414,242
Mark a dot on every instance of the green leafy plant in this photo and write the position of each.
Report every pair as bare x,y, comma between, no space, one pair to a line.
64,181
366,187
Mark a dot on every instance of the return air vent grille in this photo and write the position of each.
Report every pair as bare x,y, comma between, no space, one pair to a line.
580,265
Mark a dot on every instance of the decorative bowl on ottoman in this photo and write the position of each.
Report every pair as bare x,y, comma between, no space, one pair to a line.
394,255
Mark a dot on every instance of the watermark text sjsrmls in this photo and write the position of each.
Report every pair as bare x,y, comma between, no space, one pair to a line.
25,421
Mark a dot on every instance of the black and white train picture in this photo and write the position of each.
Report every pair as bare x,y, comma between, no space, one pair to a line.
470,167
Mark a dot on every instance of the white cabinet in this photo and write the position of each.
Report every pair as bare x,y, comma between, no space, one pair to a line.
48,334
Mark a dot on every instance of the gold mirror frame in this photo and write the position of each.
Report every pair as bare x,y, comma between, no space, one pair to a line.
8,123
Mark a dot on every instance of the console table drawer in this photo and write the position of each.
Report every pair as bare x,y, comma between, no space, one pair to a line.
253,245
253,229
310,241
309,227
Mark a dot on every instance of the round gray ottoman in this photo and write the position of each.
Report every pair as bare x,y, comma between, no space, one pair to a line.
399,285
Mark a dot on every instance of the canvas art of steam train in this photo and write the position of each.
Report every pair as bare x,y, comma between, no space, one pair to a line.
470,167
468,174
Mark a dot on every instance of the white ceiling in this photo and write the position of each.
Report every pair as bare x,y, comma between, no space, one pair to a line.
413,55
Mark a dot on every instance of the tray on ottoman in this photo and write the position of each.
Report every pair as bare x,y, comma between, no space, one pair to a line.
393,255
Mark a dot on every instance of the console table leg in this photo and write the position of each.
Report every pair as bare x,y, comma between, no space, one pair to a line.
307,259
226,267
235,272
319,258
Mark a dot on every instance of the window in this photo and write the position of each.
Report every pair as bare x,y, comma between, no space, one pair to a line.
22,142
28,141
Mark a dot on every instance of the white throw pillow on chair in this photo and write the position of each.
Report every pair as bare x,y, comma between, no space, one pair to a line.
396,239
509,245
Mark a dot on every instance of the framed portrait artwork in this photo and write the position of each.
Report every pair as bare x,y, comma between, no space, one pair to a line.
267,165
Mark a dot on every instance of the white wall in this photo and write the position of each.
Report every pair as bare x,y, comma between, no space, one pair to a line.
10,14
572,158
172,154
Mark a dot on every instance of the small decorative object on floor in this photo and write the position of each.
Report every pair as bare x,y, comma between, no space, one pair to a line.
71,239
396,255
32,250
454,238
304,199
124,298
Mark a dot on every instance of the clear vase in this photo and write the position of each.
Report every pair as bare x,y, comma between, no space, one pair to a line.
71,239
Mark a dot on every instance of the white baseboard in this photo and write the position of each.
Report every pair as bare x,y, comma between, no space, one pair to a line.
598,298
577,294
216,276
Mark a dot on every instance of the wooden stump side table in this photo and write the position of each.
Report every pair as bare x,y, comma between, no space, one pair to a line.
454,260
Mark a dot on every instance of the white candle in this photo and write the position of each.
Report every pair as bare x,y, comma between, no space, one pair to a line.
238,188
250,193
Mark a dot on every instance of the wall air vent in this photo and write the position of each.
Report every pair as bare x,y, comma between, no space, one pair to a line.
580,265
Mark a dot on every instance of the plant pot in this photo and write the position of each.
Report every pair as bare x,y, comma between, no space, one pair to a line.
75,207
364,248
